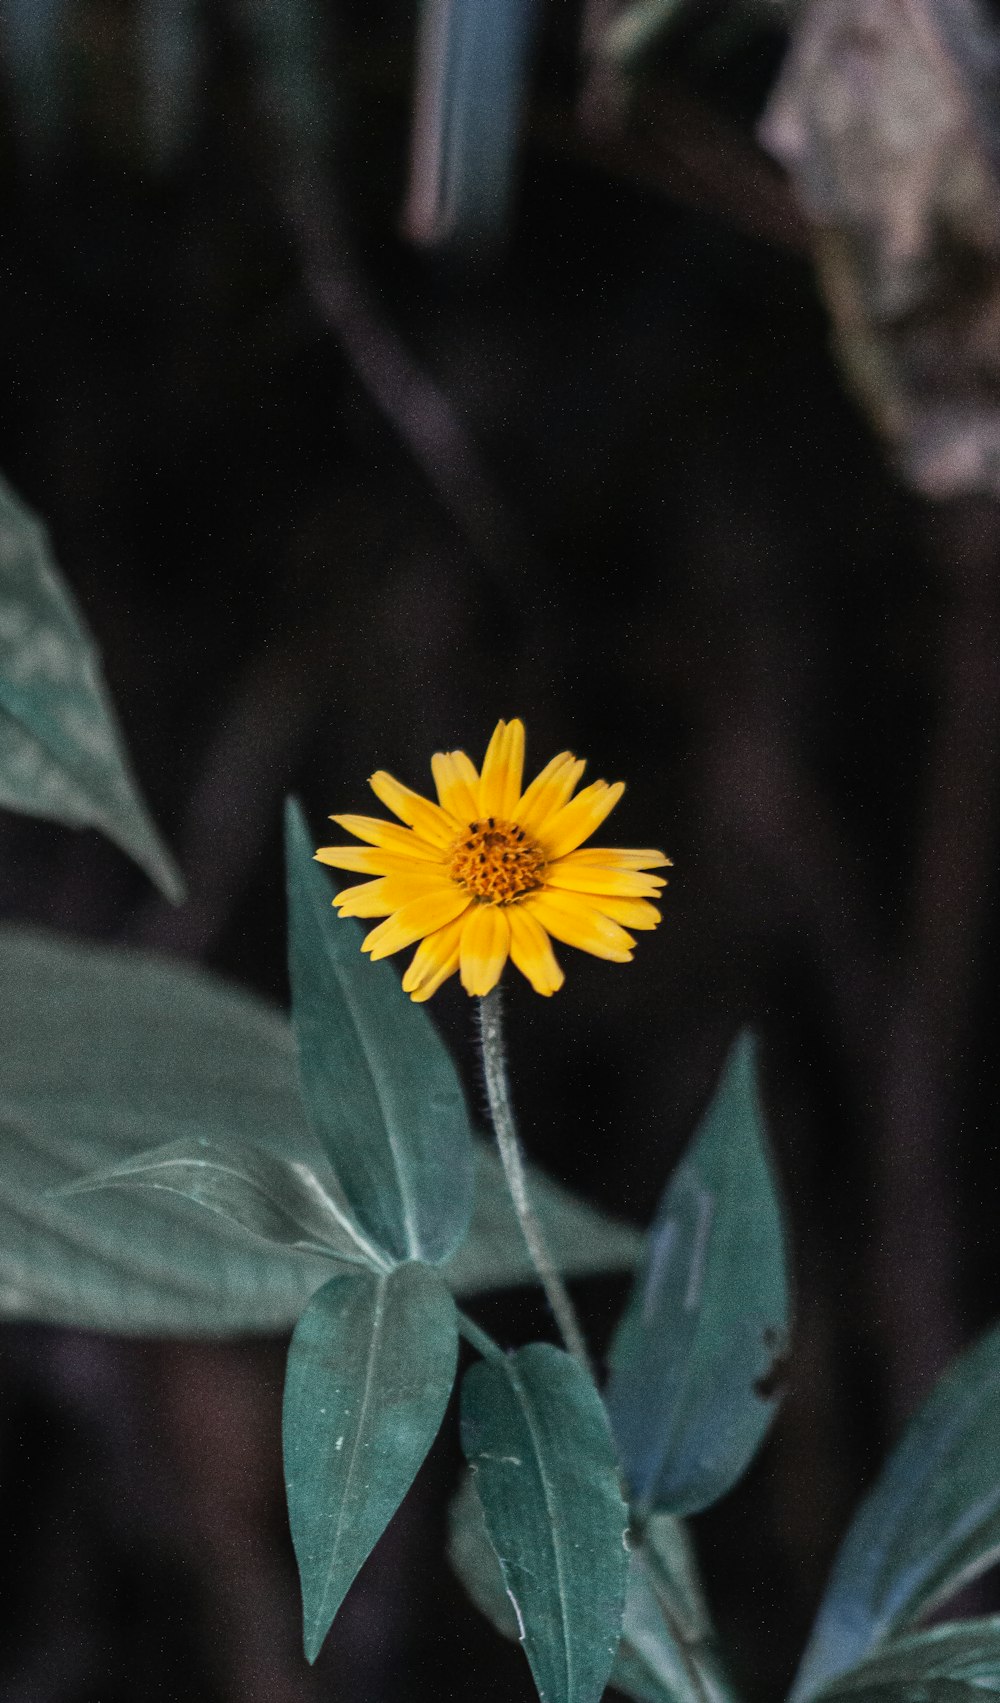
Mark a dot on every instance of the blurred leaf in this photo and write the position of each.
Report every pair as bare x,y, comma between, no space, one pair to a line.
535,1431
61,754
961,1654
663,1657
472,69
694,1364
289,47
582,1241
641,26
474,1560
668,1652
380,1089
170,53
30,36
108,1052
930,1523
370,1370
278,1200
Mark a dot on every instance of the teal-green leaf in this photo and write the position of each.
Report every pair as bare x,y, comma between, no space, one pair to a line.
930,1523
693,1386
108,1052
912,1669
279,1200
667,1652
61,753
582,1241
535,1431
370,1370
466,148
382,1094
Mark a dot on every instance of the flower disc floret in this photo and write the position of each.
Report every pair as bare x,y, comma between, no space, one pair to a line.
496,862
491,872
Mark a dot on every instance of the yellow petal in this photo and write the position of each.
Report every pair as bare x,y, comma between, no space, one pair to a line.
503,766
380,898
531,950
631,913
623,883
571,918
435,959
390,837
617,857
415,919
429,820
548,791
577,820
484,948
370,860
457,780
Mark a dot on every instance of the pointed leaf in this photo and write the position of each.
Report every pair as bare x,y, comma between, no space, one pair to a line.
61,754
930,1523
535,1431
693,1366
664,1656
108,1052
279,1200
380,1089
370,1370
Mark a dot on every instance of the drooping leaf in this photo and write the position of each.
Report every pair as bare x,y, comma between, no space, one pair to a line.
694,1364
61,754
535,1431
666,1655
279,1200
382,1094
370,1370
913,1669
109,1052
472,70
930,1523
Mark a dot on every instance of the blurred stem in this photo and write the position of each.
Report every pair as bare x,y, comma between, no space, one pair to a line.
512,1159
478,1339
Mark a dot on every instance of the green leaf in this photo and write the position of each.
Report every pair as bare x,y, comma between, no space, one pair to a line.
474,1560
382,1094
370,1370
930,1523
582,1241
279,1200
108,1052
962,1654
535,1431
61,753
694,1363
667,1652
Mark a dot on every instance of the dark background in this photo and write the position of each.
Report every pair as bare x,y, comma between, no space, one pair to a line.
330,502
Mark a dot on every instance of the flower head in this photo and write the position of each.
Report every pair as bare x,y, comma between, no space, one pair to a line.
491,872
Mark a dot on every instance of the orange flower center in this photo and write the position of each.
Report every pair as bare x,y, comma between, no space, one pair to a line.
496,862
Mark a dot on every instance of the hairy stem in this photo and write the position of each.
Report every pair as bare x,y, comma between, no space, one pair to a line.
512,1159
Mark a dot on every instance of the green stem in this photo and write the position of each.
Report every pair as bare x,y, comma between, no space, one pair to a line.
512,1159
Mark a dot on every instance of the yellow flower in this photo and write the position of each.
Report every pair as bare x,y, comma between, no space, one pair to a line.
490,872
